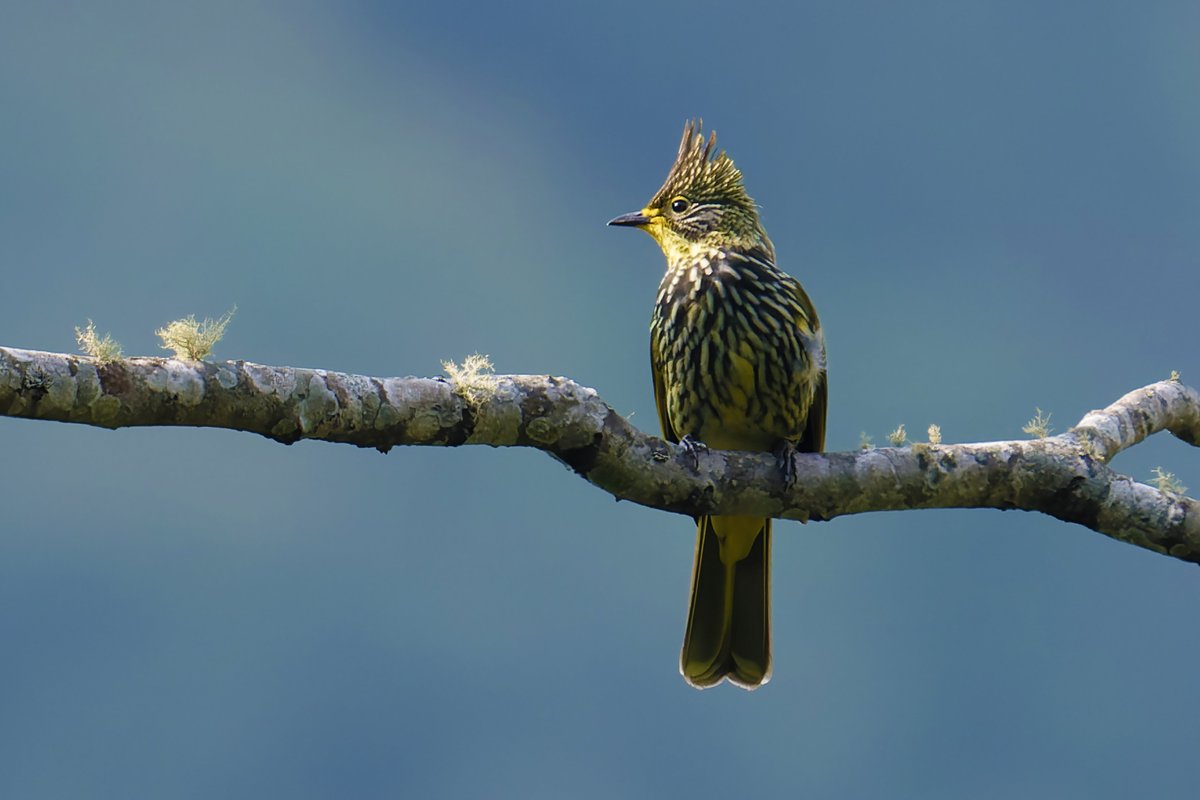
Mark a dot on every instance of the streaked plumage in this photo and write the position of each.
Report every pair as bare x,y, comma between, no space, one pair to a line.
738,360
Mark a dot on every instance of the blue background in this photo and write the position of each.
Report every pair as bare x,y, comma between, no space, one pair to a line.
993,204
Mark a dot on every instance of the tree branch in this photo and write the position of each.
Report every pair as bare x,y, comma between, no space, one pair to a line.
1065,476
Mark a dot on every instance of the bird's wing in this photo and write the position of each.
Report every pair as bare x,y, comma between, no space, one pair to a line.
814,425
660,393
813,440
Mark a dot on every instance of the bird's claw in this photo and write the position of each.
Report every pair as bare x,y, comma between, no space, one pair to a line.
693,447
785,456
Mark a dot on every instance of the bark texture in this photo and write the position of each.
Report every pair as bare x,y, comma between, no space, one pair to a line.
1065,476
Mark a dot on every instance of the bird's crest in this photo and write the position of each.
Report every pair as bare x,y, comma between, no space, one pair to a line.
700,172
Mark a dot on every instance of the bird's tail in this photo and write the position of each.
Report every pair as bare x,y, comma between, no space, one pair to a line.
729,618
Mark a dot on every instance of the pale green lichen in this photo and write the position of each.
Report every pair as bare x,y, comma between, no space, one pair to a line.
192,340
104,349
1089,448
182,382
935,434
473,378
898,437
1039,426
541,430
864,442
1174,376
1167,482
106,409
317,403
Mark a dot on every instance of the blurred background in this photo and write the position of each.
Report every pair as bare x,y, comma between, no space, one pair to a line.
994,206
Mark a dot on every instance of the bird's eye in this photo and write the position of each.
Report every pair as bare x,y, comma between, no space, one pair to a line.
679,205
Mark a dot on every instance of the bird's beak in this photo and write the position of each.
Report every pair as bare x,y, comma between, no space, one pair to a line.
636,219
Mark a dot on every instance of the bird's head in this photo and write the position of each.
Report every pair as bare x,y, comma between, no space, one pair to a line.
702,204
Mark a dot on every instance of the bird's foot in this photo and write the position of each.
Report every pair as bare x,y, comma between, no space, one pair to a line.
785,456
693,447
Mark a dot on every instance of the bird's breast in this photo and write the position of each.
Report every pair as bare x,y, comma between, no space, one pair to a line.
736,358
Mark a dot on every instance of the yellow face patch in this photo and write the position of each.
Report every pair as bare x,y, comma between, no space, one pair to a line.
657,224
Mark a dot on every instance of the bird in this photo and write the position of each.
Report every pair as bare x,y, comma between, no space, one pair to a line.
737,355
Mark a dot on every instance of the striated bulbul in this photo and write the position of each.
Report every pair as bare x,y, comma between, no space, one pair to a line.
738,361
